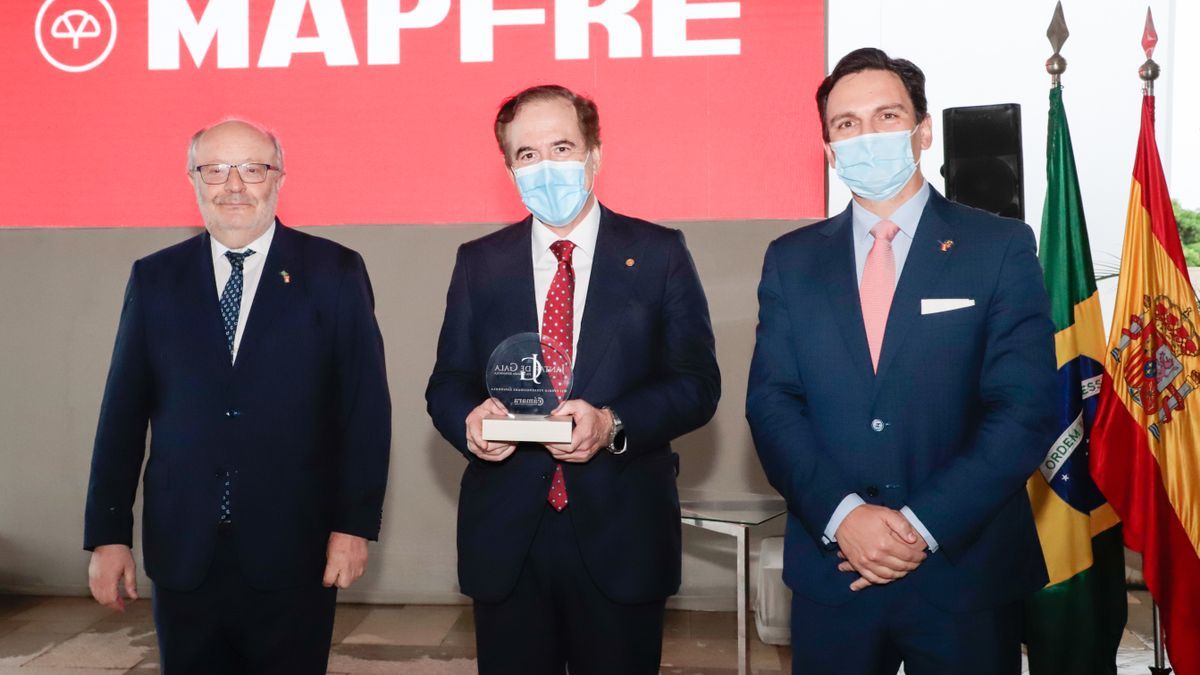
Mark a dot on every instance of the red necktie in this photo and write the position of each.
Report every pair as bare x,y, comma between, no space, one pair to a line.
878,286
558,324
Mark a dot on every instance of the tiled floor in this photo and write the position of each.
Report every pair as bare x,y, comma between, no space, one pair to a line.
74,636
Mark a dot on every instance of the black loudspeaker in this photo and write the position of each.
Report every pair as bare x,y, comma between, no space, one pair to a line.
983,165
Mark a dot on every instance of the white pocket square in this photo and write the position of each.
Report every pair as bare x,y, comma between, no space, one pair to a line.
938,305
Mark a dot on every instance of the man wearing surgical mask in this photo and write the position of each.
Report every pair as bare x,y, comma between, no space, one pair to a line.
570,550
901,393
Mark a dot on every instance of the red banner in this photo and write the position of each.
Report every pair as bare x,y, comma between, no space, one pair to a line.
385,107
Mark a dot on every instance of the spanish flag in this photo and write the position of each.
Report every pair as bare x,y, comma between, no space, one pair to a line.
1073,626
1146,438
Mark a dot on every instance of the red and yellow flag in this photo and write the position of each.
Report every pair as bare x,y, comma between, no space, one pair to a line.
1146,437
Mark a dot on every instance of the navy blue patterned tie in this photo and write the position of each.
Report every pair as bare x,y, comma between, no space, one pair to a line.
231,297
231,307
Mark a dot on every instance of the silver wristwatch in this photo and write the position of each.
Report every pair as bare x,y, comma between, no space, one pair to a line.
618,433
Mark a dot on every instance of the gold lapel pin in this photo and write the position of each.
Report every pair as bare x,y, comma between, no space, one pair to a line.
629,262
287,278
946,245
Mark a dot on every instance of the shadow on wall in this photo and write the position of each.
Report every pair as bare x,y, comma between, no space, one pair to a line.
698,454
445,462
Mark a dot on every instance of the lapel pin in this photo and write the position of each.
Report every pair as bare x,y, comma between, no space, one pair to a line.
629,262
287,278
946,245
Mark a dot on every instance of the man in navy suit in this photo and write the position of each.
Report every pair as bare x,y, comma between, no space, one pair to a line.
570,550
253,354
901,393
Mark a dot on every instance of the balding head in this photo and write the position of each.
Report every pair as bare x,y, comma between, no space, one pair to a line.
233,121
236,212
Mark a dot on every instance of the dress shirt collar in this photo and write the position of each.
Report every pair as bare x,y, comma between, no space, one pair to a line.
583,236
906,217
259,246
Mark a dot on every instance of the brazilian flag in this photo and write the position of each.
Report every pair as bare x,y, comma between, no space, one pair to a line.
1074,624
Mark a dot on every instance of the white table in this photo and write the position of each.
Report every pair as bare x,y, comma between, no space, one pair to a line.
733,513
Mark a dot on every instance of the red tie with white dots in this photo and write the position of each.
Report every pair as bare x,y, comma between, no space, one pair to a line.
558,324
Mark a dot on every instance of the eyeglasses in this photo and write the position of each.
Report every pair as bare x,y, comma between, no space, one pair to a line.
249,172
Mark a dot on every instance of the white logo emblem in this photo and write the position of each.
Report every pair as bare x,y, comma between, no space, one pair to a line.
74,24
76,27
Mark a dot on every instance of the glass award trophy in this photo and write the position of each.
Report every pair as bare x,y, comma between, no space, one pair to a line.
530,374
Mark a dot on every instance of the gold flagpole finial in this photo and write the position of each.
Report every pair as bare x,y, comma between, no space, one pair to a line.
1149,70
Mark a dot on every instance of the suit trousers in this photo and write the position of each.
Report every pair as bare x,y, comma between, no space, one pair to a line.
884,626
557,619
225,626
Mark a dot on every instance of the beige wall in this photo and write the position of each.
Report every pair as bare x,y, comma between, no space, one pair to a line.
60,294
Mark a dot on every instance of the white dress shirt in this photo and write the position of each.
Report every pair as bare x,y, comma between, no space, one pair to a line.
907,217
545,265
252,269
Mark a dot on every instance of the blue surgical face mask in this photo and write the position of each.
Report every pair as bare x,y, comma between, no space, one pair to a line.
554,191
875,166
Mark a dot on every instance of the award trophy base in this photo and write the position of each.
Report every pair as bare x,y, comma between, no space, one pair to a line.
528,428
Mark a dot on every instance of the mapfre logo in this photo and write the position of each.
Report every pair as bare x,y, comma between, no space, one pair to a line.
75,35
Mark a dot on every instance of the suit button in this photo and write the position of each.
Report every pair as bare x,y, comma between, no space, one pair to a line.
877,424
219,473
872,491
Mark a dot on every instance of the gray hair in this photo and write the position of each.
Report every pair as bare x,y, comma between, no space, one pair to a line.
191,156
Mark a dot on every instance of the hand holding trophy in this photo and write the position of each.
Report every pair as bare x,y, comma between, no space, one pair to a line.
530,374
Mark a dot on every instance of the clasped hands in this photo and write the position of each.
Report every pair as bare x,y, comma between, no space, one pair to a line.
879,544
593,427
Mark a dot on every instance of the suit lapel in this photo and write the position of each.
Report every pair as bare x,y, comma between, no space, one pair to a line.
924,265
513,276
199,287
272,294
608,294
841,283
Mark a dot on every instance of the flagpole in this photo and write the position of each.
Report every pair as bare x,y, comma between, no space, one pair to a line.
1149,73
1159,667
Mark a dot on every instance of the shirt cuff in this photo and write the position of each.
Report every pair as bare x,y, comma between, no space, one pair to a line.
848,504
913,520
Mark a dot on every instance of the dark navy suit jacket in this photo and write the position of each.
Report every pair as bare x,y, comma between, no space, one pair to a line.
964,401
645,348
302,419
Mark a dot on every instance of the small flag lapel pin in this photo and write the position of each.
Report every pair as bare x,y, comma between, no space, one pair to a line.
287,278
946,245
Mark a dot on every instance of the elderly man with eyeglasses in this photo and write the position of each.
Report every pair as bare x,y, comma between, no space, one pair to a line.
252,353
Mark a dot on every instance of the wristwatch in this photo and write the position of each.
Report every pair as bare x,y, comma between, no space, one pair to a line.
616,439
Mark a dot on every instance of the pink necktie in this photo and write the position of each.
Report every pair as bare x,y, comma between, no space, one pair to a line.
558,323
878,286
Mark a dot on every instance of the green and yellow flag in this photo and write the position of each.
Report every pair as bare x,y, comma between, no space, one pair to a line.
1074,624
